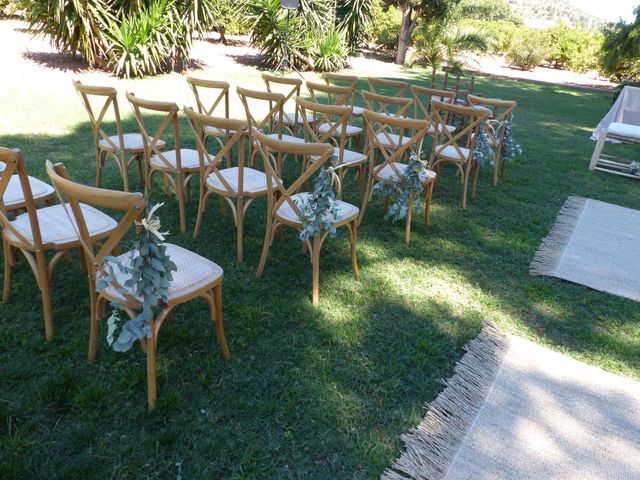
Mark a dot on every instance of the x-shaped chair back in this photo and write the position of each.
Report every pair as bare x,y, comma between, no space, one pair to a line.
384,86
336,117
271,149
211,164
272,121
11,163
153,144
211,96
422,97
392,106
342,80
465,137
334,94
392,147
98,101
291,88
499,117
72,194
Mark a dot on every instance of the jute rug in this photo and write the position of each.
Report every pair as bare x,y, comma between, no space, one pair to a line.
595,244
516,410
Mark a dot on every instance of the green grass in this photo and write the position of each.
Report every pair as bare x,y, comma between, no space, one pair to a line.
310,392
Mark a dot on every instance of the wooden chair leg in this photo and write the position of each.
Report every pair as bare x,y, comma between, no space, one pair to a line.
407,225
45,291
152,393
222,341
496,169
99,161
362,184
315,255
268,238
427,202
139,160
598,150
95,301
476,171
354,238
180,195
240,229
504,169
122,159
465,182
8,270
202,204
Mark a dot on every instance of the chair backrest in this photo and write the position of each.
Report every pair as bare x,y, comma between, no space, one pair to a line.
385,86
394,106
336,117
256,103
153,144
380,128
466,136
460,83
499,118
422,97
270,149
342,80
72,194
289,87
211,164
12,163
98,101
210,95
333,94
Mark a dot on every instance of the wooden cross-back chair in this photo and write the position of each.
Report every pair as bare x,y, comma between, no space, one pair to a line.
339,96
337,117
499,118
422,109
14,200
238,185
291,88
212,98
282,208
387,105
195,277
124,147
384,86
349,81
392,148
457,147
178,166
38,232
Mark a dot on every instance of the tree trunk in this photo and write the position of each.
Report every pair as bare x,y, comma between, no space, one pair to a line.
406,28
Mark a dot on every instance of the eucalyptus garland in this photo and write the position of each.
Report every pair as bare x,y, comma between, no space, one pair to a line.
319,208
510,148
399,190
483,153
634,168
147,273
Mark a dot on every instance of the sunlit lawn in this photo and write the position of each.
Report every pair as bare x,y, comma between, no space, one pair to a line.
310,392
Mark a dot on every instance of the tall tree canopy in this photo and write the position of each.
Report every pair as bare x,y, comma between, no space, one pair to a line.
411,11
621,49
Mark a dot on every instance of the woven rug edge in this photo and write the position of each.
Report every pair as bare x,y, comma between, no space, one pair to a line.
547,258
432,445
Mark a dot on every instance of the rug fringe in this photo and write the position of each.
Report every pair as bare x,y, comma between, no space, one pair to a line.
430,447
549,253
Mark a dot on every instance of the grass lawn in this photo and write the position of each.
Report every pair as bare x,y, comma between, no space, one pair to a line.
310,392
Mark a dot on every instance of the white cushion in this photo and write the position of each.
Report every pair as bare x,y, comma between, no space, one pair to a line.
357,111
388,173
188,159
346,211
287,138
349,157
132,141
391,139
217,132
290,118
14,197
193,272
55,227
450,128
450,152
254,181
351,129
624,130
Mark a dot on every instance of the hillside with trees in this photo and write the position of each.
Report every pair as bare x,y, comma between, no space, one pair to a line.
556,11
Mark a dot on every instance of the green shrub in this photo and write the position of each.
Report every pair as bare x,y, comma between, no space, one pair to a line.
8,7
527,52
384,28
330,52
573,48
